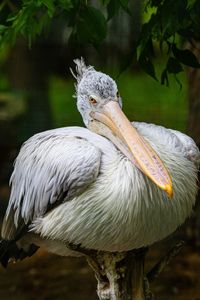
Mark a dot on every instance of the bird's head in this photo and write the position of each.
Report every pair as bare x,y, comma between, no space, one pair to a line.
99,103
93,91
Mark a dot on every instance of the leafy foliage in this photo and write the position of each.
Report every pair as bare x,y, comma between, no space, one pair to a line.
30,18
171,22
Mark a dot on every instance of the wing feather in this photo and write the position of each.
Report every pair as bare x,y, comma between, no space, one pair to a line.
175,139
190,148
50,168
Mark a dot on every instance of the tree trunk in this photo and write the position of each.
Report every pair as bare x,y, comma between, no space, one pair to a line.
193,129
194,96
120,276
28,74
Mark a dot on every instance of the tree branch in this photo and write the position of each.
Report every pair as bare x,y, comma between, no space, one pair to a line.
159,267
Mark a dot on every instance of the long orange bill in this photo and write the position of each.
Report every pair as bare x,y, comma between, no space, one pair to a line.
144,155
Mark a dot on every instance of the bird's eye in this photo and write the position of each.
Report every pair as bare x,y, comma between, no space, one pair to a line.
117,94
92,100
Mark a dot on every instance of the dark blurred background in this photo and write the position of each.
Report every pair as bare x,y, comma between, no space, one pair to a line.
36,90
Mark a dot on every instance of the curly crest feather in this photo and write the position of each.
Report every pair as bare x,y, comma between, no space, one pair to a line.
81,69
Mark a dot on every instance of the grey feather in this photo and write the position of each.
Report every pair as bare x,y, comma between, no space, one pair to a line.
51,167
81,69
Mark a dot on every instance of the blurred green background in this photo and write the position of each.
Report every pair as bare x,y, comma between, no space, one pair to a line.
144,99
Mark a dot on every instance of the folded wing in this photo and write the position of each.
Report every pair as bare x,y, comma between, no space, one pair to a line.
51,167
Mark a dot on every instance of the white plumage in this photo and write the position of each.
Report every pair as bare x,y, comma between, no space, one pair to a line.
74,185
118,207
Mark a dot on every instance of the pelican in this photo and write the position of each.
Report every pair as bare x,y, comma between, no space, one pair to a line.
112,186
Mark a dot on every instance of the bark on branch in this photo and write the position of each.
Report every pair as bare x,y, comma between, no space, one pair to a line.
120,275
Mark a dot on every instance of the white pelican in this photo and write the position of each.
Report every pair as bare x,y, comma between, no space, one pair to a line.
112,186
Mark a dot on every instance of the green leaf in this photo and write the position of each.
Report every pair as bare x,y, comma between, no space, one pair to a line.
105,2
169,23
112,8
65,4
2,28
195,13
190,3
173,66
154,3
164,78
147,66
145,47
126,61
91,26
186,57
2,5
124,5
50,6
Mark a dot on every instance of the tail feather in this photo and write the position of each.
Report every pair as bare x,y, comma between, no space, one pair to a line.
9,249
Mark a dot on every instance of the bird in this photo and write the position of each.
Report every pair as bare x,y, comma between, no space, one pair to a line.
113,185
